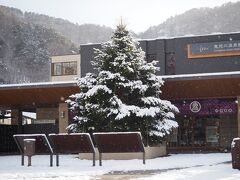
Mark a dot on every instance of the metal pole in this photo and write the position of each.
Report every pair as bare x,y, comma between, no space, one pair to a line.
29,161
22,160
100,159
57,159
94,158
144,158
51,160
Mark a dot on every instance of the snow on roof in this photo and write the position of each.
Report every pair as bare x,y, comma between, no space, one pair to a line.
189,36
40,84
202,75
166,77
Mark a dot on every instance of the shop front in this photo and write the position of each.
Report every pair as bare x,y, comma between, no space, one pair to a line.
205,125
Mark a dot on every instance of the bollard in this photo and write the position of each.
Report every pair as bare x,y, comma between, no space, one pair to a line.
29,149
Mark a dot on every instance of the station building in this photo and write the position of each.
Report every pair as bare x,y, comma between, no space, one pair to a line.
202,78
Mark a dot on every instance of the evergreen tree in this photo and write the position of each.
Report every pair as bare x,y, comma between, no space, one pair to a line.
124,94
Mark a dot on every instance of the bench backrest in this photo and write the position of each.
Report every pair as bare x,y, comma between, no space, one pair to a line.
119,142
42,145
71,143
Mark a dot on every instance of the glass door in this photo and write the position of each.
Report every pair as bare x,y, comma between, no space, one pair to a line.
185,136
199,132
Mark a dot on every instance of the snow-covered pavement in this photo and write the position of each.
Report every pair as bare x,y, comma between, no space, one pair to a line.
176,166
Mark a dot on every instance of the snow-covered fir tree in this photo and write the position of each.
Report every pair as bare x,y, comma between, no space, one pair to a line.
124,94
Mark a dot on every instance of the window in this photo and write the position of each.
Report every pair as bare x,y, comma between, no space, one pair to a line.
64,68
57,69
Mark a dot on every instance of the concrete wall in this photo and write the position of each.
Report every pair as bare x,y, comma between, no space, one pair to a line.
59,114
63,117
151,152
47,113
16,117
66,58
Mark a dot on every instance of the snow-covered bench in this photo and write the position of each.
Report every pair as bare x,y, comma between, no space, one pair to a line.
119,142
42,145
71,144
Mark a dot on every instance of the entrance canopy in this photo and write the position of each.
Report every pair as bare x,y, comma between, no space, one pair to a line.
29,95
202,86
191,86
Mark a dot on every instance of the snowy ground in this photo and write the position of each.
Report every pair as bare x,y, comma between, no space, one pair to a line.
177,166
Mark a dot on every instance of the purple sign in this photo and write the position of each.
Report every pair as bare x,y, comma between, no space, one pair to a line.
207,107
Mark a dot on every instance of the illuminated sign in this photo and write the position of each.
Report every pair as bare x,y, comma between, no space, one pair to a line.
214,49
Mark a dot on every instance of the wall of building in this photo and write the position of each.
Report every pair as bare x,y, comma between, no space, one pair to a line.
202,65
63,117
155,50
172,55
46,114
227,130
66,58
87,55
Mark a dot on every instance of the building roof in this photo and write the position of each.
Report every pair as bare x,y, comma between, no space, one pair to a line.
201,86
31,95
200,76
190,36
39,85
187,86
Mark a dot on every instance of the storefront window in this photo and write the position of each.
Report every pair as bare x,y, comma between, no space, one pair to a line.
209,123
199,131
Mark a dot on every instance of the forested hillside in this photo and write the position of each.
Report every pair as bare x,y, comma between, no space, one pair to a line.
223,19
25,48
79,34
28,39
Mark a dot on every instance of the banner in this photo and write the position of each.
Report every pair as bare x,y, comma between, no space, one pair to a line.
207,107
214,49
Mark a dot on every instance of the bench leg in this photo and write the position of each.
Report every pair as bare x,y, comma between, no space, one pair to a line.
22,160
51,160
29,160
144,158
57,159
94,157
100,159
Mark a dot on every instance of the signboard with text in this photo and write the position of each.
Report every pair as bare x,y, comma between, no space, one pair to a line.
214,49
207,107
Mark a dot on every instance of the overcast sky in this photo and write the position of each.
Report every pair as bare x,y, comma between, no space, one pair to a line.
137,14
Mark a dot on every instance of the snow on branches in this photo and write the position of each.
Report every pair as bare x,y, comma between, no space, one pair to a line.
124,93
